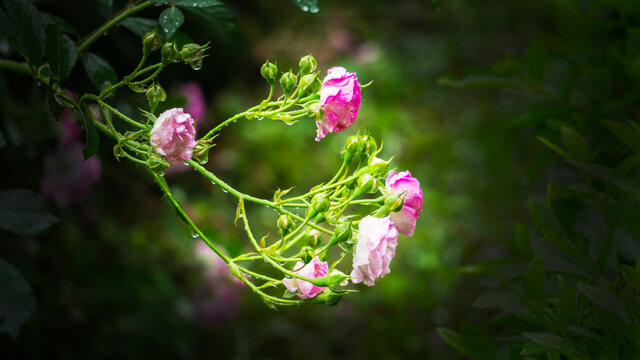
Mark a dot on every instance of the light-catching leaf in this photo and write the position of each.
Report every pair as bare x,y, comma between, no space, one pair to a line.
554,342
605,299
219,15
138,25
609,176
576,144
198,3
99,71
170,20
24,212
307,5
61,53
17,302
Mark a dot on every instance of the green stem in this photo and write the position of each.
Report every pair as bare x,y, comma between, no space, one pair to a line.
123,14
19,67
115,111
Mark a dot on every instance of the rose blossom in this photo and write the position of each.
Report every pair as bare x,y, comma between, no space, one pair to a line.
405,219
340,100
377,241
172,135
314,269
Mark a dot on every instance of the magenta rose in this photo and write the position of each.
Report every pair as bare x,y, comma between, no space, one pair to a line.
340,100
314,269
405,219
172,135
377,241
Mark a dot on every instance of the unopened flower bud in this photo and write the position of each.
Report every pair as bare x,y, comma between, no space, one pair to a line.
394,202
367,183
331,298
320,202
151,42
335,278
155,95
307,254
315,111
170,53
308,83
341,233
192,54
288,81
352,147
369,145
308,64
313,238
269,71
378,166
285,223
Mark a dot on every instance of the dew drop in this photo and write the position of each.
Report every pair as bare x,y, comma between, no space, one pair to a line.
225,191
195,235
260,118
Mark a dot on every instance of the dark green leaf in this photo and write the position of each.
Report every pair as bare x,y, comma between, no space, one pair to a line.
64,26
92,136
24,212
624,133
610,177
307,5
17,302
485,81
220,15
604,299
454,340
139,26
565,309
23,27
554,342
576,144
560,151
533,280
198,3
507,300
170,20
99,71
632,276
61,52
536,62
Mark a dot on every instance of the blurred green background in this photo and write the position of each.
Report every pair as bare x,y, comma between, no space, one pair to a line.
118,275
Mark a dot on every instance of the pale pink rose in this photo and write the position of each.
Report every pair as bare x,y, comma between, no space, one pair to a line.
340,100
67,176
377,241
314,269
172,135
405,219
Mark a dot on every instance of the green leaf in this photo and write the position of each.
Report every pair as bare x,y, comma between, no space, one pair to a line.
485,81
24,212
99,71
138,25
533,280
605,300
609,176
307,5
220,15
61,24
507,300
61,53
170,20
576,144
632,276
624,133
560,151
92,136
536,62
23,27
17,302
554,342
454,340
198,3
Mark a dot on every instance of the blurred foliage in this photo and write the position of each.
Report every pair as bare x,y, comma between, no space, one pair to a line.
118,275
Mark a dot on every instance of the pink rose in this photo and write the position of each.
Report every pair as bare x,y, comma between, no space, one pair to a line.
405,219
340,100
377,241
172,135
314,269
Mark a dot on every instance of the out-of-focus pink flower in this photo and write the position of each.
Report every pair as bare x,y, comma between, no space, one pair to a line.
196,102
219,299
314,269
377,241
67,175
405,219
173,135
340,98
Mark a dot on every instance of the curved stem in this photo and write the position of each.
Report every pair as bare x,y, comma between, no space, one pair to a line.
115,112
123,14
